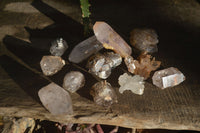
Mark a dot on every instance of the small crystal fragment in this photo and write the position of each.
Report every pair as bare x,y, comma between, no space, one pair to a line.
58,47
51,64
144,40
110,39
134,83
168,78
85,49
115,59
143,67
73,81
101,65
56,100
103,94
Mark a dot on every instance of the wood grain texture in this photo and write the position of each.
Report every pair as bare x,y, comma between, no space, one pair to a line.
172,108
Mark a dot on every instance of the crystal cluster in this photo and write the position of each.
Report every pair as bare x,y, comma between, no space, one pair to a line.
85,49
144,40
56,100
73,81
51,64
143,66
58,47
110,39
167,78
134,83
103,94
102,64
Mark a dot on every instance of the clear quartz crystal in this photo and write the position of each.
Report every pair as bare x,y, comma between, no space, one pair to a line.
58,47
85,49
133,83
115,59
103,94
102,64
51,64
56,100
168,78
73,81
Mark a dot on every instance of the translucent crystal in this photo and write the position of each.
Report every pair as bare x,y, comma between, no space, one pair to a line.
56,100
58,47
115,59
85,49
97,65
51,64
110,39
103,94
144,40
143,66
73,81
167,78
133,83
102,64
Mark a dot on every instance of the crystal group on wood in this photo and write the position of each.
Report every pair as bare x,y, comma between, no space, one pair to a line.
58,47
143,66
51,64
103,94
56,100
110,39
85,49
73,81
134,83
144,40
167,78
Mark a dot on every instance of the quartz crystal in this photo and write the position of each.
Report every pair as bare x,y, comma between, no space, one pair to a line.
110,39
58,47
114,59
97,65
144,40
143,66
167,78
85,49
56,100
103,94
51,64
73,81
134,83
102,64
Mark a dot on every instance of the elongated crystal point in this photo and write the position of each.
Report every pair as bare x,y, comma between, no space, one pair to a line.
168,78
85,49
56,100
110,39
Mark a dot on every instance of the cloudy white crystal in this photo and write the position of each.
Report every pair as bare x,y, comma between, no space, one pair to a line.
134,83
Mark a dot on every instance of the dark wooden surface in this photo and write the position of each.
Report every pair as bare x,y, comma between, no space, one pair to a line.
21,78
